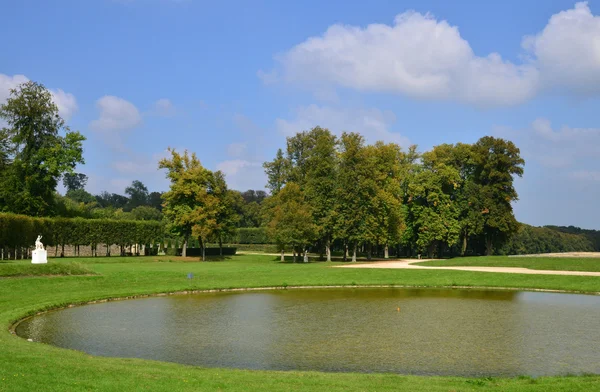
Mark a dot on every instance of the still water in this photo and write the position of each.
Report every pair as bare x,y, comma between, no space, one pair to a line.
409,331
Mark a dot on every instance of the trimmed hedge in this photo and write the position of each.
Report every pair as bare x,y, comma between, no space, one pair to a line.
197,252
20,231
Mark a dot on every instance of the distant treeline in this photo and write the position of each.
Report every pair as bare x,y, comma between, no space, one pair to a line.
551,239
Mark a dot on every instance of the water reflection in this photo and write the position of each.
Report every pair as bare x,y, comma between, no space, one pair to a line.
411,331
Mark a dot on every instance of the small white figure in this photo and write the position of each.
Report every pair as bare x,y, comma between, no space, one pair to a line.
38,243
39,255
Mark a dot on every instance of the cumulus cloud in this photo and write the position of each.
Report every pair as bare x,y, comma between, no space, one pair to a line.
116,114
564,150
66,102
417,56
373,124
422,57
243,174
567,51
164,108
236,150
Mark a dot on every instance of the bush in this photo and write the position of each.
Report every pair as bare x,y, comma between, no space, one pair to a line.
197,252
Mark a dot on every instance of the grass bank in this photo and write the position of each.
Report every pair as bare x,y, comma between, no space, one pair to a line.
8,269
26,366
538,263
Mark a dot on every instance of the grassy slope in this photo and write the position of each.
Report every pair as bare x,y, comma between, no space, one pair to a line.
51,269
539,263
28,366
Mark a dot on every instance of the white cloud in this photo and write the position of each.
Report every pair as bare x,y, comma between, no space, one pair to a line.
66,102
236,150
425,58
417,56
116,114
373,124
164,107
567,51
242,174
586,175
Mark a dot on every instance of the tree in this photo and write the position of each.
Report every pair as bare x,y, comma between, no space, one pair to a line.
291,221
277,172
226,218
113,200
496,162
138,195
74,181
189,206
146,213
38,154
351,197
80,196
155,200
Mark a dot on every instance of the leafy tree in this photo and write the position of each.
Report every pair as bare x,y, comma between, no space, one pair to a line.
74,181
155,200
80,196
496,162
226,218
189,205
113,200
146,213
291,221
277,172
138,195
38,154
351,197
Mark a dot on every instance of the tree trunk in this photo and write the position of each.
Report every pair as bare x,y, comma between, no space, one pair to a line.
354,252
220,246
62,250
489,248
386,252
328,250
345,250
305,255
282,256
294,254
184,249
430,250
464,245
369,251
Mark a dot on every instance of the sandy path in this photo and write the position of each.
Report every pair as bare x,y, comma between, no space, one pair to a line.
412,264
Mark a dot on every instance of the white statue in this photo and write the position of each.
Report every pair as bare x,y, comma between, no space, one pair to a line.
38,243
39,255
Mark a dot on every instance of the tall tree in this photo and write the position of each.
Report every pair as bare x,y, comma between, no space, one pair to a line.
277,172
351,196
291,221
226,218
496,162
37,152
189,205
74,181
138,195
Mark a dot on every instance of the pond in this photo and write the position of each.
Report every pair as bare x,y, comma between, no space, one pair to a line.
407,331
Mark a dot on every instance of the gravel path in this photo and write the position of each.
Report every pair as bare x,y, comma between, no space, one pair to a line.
413,264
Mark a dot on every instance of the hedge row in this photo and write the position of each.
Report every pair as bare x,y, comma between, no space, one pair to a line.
197,252
20,231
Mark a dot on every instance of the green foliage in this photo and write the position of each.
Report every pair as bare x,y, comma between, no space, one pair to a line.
34,156
74,181
532,240
291,223
18,231
138,195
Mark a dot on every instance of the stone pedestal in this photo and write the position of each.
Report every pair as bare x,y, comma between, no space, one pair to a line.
39,256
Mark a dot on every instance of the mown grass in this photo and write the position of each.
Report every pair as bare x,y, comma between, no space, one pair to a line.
26,366
53,269
538,263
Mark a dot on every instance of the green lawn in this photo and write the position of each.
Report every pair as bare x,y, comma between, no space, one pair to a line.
538,263
26,366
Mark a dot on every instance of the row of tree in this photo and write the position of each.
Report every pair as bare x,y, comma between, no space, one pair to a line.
453,199
20,231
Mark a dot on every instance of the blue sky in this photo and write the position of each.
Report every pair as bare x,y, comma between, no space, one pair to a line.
230,80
